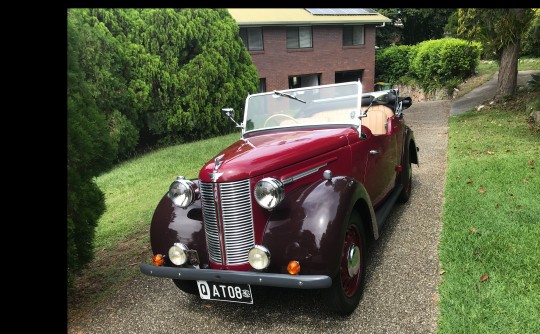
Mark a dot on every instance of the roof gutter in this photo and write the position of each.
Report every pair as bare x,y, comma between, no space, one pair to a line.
246,23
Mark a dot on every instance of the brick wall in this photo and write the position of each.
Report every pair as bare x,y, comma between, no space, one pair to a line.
328,55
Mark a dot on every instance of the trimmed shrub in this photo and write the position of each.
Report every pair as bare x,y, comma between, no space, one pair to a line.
443,63
392,63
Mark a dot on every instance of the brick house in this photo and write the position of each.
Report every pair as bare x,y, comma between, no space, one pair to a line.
299,47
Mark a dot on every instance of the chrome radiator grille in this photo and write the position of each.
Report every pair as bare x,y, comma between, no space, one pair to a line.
233,208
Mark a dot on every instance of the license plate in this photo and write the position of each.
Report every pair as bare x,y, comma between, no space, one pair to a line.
227,292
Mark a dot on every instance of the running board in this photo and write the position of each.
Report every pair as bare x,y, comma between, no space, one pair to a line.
382,212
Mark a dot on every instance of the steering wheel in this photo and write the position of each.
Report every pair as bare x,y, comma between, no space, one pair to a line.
279,115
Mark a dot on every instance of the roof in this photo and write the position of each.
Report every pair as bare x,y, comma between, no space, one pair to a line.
293,16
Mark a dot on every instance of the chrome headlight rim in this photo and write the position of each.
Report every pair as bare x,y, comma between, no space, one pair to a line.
182,192
269,192
178,253
259,257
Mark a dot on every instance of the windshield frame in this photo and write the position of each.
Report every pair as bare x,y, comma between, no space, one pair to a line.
299,96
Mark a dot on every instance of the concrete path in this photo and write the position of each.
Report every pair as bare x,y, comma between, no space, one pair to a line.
485,93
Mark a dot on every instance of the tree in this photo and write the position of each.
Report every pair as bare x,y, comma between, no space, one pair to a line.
204,66
104,59
411,26
181,67
89,152
531,39
500,31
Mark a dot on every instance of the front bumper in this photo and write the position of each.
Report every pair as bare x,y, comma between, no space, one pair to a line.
244,277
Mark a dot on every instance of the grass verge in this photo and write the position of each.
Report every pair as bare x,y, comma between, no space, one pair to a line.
489,243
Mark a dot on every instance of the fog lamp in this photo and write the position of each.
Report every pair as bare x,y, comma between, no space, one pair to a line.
259,257
293,267
177,254
158,260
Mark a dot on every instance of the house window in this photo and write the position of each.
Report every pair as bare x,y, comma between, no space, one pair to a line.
262,85
346,76
299,37
353,35
253,38
306,80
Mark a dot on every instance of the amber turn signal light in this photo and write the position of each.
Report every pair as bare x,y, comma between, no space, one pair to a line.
158,260
293,267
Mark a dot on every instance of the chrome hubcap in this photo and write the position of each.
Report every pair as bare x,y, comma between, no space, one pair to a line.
353,260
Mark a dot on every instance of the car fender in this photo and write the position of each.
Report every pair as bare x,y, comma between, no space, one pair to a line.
309,225
171,224
410,150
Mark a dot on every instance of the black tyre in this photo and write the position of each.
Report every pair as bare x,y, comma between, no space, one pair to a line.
189,287
406,180
347,286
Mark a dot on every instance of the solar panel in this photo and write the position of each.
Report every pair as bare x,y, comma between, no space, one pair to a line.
341,11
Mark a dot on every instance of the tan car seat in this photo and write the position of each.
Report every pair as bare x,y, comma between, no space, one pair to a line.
377,119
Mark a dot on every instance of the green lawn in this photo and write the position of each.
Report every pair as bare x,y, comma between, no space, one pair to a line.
133,189
489,248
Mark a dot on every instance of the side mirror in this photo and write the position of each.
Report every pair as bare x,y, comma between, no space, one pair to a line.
406,103
227,112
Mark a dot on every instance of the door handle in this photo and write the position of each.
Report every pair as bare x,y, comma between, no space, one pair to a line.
373,152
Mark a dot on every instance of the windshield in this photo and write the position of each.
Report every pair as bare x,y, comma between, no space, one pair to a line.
328,104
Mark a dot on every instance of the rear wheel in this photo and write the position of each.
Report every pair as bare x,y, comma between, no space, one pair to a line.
187,286
347,286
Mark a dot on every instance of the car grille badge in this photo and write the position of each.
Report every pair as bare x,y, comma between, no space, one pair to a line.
217,163
214,176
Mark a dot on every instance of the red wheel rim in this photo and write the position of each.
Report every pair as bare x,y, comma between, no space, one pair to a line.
350,284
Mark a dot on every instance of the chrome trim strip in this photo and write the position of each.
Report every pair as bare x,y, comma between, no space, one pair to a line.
303,174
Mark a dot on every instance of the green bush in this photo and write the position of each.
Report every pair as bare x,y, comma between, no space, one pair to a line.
444,62
433,64
168,71
124,136
89,153
392,63
534,83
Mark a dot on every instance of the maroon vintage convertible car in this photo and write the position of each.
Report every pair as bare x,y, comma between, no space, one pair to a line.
292,202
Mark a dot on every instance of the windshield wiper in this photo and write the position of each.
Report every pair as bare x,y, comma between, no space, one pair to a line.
289,96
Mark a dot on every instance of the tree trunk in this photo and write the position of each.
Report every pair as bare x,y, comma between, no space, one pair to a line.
507,80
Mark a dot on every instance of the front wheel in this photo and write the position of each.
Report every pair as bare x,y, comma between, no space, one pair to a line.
347,286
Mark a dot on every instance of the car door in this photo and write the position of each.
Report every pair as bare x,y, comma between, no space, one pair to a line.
381,161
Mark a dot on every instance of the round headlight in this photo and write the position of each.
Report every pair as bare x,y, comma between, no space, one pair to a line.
259,257
182,192
269,192
177,254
